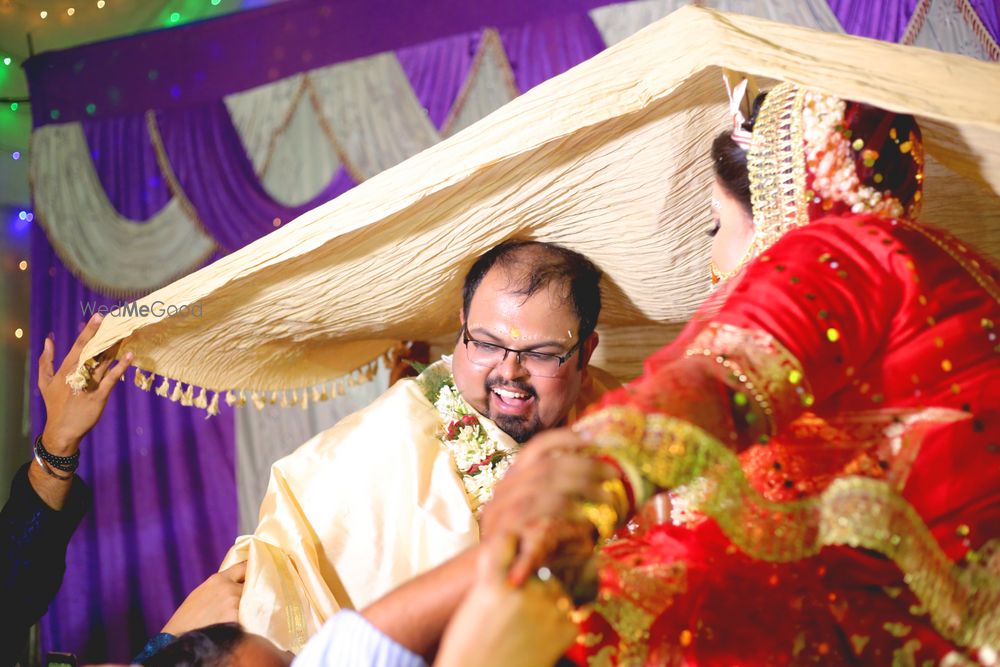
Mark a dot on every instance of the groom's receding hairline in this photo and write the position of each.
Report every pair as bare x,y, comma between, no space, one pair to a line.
533,266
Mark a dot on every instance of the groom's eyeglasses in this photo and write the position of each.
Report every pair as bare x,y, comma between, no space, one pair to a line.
490,355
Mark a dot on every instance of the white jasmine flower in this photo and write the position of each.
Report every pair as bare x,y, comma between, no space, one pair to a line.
474,452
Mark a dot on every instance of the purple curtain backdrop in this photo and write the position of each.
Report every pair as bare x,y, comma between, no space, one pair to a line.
989,13
210,164
885,19
438,69
216,174
163,477
543,49
126,166
204,61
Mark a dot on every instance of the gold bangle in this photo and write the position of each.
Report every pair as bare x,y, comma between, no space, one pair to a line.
621,504
602,516
605,517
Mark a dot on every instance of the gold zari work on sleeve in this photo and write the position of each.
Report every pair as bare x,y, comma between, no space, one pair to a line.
756,362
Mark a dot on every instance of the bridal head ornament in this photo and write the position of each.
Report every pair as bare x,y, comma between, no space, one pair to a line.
810,155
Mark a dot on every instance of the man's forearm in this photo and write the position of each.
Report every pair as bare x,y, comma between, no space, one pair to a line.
416,613
52,491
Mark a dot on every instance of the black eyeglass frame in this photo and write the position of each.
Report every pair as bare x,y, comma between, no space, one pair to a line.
466,339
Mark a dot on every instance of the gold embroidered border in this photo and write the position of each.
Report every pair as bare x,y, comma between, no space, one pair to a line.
645,592
294,614
777,168
963,603
757,362
979,28
957,251
490,41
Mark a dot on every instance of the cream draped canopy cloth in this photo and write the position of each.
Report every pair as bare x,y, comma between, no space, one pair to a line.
609,158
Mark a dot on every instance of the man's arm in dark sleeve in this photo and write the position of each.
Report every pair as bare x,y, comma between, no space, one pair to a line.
33,542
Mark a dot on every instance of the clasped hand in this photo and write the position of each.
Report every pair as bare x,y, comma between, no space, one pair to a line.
539,500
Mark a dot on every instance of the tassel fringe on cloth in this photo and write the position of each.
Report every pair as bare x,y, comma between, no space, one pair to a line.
609,159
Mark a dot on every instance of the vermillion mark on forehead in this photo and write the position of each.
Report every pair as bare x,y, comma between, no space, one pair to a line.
501,313
501,333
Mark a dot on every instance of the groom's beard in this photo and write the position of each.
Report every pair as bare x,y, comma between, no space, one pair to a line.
519,428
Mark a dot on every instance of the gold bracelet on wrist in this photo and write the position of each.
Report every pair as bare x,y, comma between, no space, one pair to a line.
620,502
606,517
602,516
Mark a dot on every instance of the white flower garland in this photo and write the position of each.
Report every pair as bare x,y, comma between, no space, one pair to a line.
830,156
481,461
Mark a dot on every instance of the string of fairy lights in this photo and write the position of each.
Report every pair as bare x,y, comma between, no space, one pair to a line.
21,221
70,11
174,17
21,266
23,217
37,17
54,9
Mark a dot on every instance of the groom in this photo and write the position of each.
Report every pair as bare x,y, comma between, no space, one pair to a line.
395,489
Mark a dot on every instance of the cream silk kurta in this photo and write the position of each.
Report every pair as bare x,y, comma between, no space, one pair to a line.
357,510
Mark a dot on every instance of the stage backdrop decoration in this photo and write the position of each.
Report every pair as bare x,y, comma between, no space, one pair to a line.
619,174
155,154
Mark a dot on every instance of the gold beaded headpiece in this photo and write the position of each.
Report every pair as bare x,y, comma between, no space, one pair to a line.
777,168
815,155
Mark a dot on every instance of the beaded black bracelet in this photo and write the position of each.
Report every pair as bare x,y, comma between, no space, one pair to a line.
63,463
45,466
